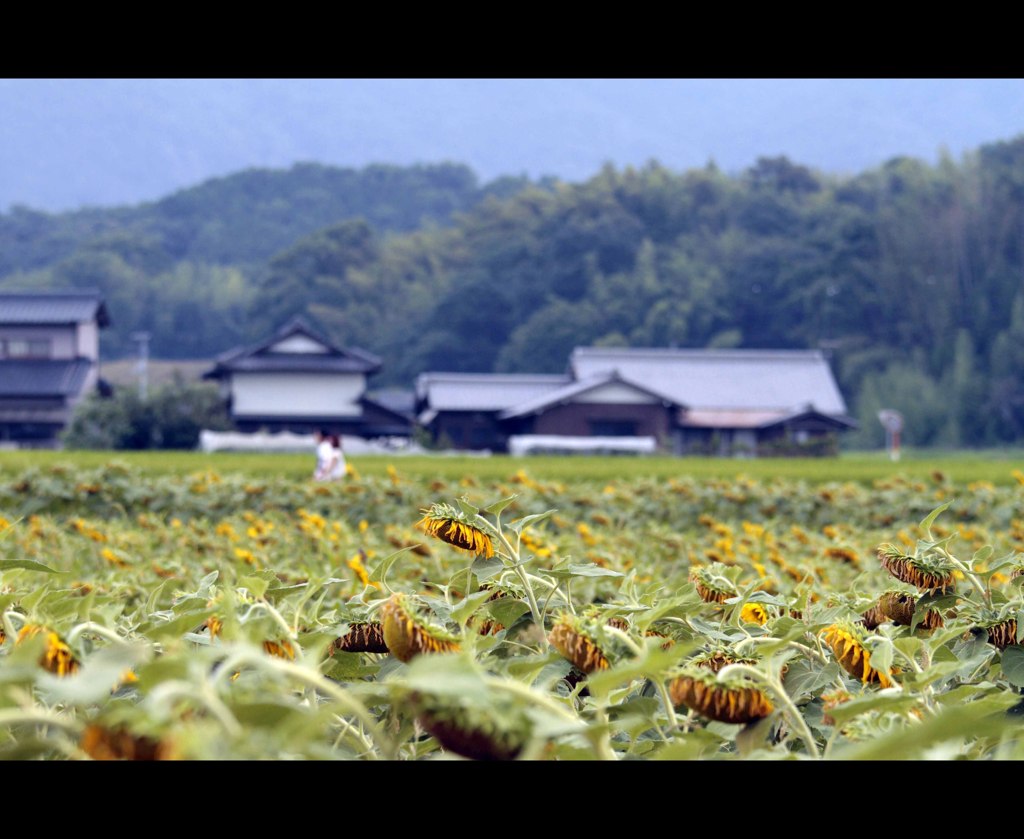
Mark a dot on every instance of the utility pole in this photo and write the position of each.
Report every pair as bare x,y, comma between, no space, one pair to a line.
892,421
142,367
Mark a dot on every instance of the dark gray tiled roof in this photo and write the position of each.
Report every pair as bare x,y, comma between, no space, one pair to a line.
781,380
567,393
43,378
483,391
25,307
260,357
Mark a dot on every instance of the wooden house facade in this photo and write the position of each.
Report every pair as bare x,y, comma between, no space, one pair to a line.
49,361
298,380
719,402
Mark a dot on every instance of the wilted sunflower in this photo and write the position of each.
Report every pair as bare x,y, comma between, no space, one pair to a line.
847,643
57,658
715,660
833,699
497,732
874,617
102,743
573,638
361,638
898,606
407,633
489,626
667,641
712,584
1003,634
281,648
733,700
452,526
214,624
928,573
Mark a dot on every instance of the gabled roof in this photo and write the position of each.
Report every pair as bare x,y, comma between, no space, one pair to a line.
568,392
759,419
262,357
41,378
766,380
840,421
481,391
25,308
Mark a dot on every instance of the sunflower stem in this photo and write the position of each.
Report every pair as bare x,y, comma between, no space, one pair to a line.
318,682
358,734
17,716
666,699
513,557
603,742
169,691
95,629
776,687
986,595
638,652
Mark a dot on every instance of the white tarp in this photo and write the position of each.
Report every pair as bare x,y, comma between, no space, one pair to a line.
556,443
286,441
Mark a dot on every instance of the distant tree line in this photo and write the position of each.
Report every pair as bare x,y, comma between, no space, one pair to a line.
908,274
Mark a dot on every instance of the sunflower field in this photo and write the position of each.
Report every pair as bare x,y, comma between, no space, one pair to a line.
224,616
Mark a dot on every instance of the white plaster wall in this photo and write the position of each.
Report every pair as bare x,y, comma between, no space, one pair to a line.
299,344
89,340
297,394
615,393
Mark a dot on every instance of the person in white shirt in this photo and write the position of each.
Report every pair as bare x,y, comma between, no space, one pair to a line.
330,460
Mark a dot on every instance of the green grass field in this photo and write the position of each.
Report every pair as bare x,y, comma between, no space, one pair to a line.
996,466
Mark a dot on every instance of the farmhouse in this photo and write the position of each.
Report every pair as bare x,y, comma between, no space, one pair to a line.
297,380
49,360
722,402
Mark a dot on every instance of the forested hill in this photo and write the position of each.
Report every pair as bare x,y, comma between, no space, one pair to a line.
247,217
909,273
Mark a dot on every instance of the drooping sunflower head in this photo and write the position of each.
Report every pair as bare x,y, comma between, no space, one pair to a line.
408,632
57,657
281,648
712,584
735,699
1001,633
496,731
485,625
582,640
847,641
719,657
928,573
833,699
454,527
102,743
899,606
362,637
874,617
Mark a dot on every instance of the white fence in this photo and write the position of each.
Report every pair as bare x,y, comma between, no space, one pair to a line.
557,444
286,441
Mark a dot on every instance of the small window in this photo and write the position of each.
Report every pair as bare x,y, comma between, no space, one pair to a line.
25,348
613,428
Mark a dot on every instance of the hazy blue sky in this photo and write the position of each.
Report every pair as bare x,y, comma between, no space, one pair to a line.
65,143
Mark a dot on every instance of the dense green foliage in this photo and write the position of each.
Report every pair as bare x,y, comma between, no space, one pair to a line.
907,273
181,267
169,418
